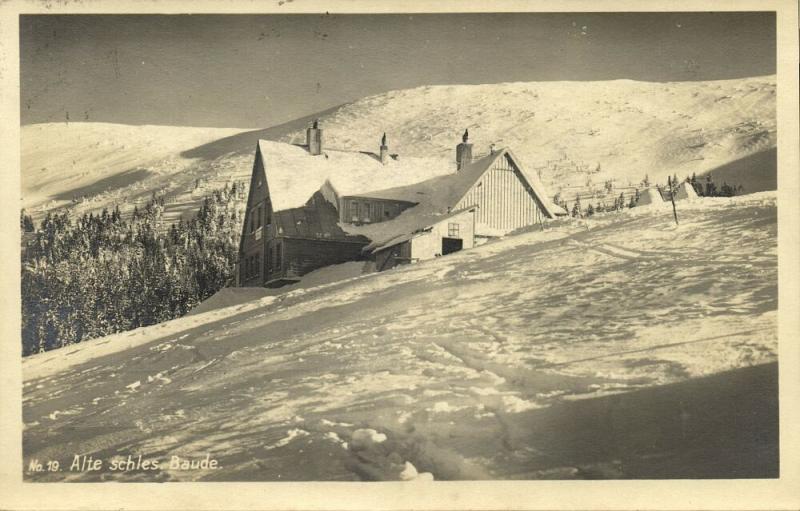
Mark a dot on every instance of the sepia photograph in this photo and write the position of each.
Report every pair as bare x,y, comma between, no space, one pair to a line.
409,246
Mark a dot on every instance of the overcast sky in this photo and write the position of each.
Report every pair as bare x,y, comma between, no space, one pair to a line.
250,71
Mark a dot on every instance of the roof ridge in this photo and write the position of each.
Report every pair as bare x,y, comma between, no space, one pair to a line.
349,151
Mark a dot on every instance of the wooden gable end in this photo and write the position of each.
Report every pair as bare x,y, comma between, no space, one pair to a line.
255,228
258,213
505,200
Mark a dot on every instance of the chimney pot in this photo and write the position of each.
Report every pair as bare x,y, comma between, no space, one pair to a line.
384,150
463,151
314,138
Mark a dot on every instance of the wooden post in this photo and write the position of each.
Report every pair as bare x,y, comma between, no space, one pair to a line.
672,198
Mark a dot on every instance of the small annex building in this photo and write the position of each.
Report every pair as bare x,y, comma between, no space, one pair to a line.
310,206
444,235
650,196
685,191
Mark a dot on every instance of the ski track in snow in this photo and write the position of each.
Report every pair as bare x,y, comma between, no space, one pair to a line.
444,362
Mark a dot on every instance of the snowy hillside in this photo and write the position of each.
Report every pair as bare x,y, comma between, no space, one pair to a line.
100,165
627,128
495,362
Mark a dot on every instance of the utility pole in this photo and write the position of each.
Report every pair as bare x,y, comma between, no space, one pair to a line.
672,198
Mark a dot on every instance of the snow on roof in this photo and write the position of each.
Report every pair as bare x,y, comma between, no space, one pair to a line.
294,175
436,197
443,192
440,192
434,184
392,242
414,224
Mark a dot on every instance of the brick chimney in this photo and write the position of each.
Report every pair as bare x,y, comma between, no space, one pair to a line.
314,138
384,150
463,151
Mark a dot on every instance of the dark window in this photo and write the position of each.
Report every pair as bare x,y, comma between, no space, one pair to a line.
452,231
354,213
257,268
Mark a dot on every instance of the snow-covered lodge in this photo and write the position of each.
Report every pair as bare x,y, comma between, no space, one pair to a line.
310,206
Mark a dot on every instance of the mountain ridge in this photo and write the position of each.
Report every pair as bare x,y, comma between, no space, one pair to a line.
576,135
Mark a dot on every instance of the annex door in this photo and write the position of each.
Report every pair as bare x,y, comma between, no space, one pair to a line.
450,245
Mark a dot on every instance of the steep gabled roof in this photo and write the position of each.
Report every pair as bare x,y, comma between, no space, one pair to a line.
437,197
293,175
433,184
536,184
443,193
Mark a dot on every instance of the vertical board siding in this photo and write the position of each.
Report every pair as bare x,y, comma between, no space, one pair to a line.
505,202
252,245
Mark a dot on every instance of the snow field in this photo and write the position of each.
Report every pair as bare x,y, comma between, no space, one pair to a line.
437,366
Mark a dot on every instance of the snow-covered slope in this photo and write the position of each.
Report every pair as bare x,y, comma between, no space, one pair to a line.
101,165
628,128
488,363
